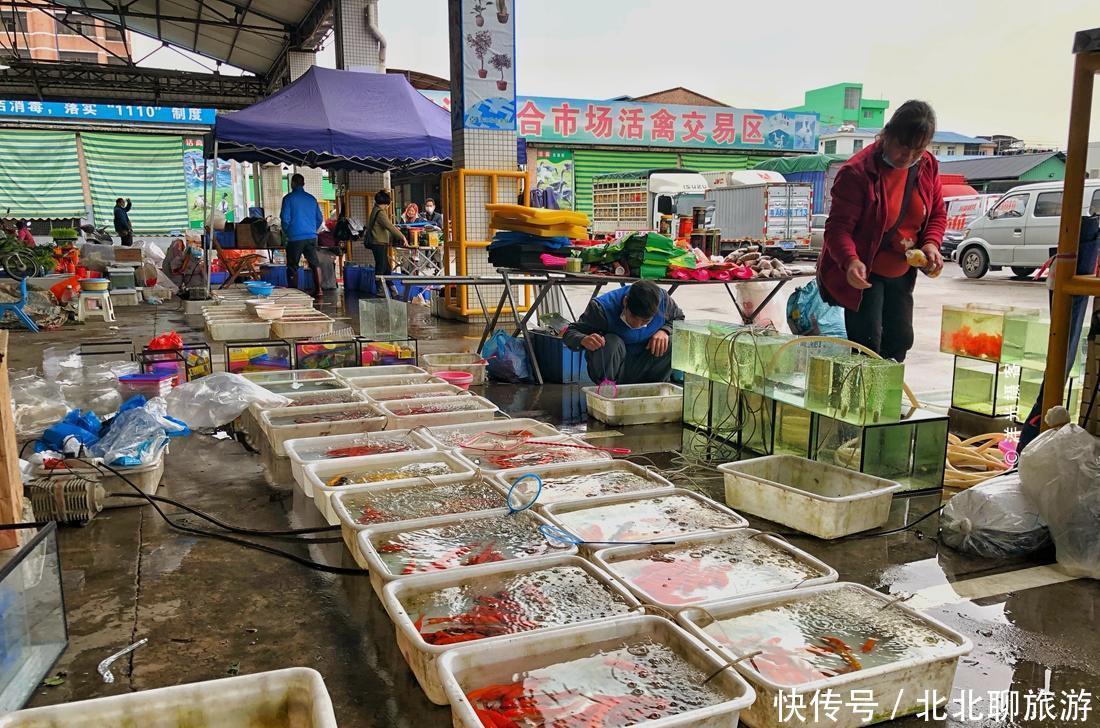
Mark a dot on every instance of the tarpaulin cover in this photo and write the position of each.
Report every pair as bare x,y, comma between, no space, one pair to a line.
341,120
40,174
803,163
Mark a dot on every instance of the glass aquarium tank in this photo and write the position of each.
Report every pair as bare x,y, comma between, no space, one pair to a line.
269,355
787,371
985,387
689,347
911,451
696,401
977,330
383,319
757,412
1030,382
792,433
33,628
741,356
855,388
1025,343
326,354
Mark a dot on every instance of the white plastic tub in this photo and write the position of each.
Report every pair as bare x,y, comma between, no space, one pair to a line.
636,404
457,362
279,424
482,532
591,482
288,375
557,447
145,477
413,391
822,500
392,380
318,474
235,329
452,436
632,517
249,421
476,666
292,698
314,449
302,326
351,505
385,370
580,586
402,413
895,688
714,567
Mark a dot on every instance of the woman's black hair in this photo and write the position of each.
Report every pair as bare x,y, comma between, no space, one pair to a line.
913,125
381,197
643,299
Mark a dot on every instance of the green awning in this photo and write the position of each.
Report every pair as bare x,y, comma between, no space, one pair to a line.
39,174
146,168
804,163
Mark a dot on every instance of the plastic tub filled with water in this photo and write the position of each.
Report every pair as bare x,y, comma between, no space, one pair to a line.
412,391
392,380
289,423
409,413
388,370
456,362
359,508
589,482
842,638
715,567
435,613
644,517
489,433
635,404
636,671
450,542
413,468
524,452
359,444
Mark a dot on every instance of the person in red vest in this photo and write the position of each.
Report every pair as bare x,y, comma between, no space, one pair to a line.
887,199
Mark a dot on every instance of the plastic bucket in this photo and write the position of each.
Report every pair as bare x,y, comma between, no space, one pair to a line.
94,284
462,380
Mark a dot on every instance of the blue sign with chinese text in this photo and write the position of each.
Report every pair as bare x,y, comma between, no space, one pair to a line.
75,111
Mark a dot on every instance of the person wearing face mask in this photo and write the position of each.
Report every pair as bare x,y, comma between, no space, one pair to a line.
887,200
431,215
625,334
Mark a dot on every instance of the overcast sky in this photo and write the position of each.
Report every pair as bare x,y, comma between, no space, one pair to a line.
987,66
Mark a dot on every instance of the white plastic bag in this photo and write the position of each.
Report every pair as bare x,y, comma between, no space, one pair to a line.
1060,473
218,399
37,403
994,520
135,437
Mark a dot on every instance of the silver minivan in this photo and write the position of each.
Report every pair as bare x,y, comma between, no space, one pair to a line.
1019,231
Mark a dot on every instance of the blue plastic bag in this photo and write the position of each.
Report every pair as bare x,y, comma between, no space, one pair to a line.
809,315
506,358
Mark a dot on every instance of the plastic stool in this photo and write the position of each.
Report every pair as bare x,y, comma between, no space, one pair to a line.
95,303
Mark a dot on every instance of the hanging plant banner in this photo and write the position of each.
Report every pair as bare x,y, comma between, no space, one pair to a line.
488,64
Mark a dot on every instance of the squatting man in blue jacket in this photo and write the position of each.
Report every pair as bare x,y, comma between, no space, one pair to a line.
625,334
301,217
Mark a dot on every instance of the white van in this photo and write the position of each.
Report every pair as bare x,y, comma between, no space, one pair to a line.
1020,229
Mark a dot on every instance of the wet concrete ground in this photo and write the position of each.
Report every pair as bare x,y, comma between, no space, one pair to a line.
211,608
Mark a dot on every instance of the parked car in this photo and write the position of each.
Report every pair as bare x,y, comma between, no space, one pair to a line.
1019,230
817,235
961,213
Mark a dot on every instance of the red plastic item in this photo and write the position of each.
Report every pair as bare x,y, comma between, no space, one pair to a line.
743,273
66,290
700,274
167,340
462,380
720,275
677,273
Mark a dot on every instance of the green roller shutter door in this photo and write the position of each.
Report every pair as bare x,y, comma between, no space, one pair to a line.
590,162
146,168
40,174
718,162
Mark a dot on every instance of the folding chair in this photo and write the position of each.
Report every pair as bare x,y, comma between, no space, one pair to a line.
16,307
243,267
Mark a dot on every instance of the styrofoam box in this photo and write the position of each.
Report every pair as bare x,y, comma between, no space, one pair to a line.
561,470
897,689
442,434
421,656
822,500
609,559
413,391
476,665
313,449
580,454
723,518
319,473
291,698
145,477
279,426
637,404
457,362
380,575
385,370
392,381
350,526
483,410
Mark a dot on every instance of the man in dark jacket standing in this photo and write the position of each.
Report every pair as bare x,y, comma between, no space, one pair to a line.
301,217
122,221
431,214
625,334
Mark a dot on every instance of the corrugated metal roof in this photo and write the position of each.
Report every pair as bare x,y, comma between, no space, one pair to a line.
943,137
1008,166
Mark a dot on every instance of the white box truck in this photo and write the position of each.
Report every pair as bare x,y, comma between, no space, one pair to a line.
758,206
634,201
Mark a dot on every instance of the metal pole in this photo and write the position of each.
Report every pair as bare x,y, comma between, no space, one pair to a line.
208,204
1065,267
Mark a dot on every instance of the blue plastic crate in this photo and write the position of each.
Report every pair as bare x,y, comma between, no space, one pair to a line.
557,362
359,280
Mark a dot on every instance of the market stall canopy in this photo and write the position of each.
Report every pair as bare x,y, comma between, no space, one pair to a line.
372,122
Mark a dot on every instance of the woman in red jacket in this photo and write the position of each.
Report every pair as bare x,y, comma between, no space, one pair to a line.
886,200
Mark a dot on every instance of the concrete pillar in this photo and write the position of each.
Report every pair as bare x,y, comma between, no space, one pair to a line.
271,189
298,62
360,45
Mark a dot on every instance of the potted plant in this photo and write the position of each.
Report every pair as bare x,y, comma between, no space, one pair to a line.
480,43
502,11
63,235
479,8
501,62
